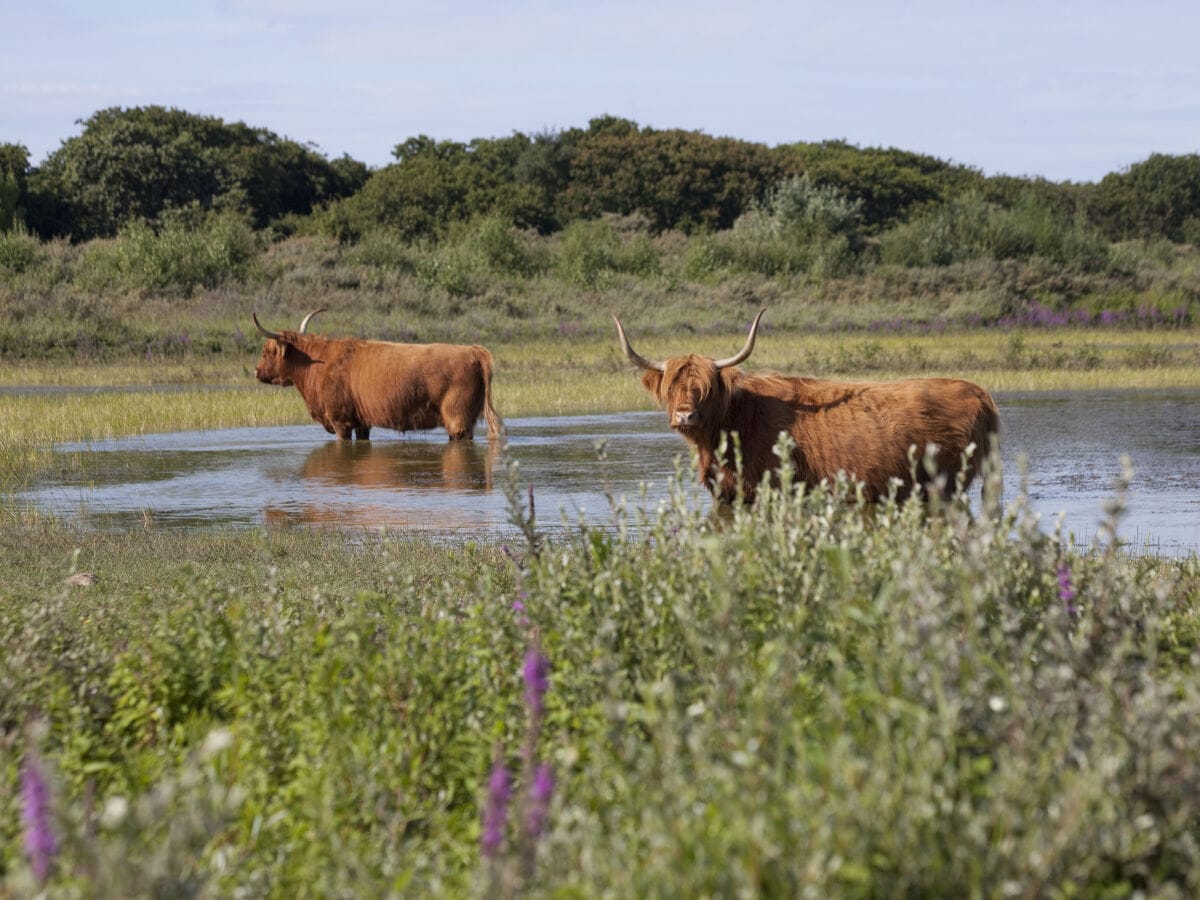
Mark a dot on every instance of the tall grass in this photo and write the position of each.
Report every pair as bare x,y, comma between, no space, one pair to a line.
794,699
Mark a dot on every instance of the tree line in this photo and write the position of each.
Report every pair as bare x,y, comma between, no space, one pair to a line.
145,165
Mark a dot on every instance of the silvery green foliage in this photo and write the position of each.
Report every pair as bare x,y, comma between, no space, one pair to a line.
799,205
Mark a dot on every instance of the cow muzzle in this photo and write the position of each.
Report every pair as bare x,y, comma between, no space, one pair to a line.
684,418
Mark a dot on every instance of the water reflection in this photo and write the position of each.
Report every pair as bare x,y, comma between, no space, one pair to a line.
366,484
248,477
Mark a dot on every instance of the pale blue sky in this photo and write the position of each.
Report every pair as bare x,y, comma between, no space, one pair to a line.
1065,90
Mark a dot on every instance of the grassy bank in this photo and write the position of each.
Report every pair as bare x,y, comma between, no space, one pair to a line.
798,700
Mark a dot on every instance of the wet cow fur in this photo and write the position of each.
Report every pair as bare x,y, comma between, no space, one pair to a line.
352,385
861,428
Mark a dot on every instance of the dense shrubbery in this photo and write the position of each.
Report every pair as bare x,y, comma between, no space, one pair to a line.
794,699
969,227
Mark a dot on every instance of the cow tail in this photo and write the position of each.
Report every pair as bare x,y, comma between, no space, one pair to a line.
495,426
986,436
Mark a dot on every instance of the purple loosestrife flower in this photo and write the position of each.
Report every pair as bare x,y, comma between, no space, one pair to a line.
1066,591
41,845
538,808
537,680
495,810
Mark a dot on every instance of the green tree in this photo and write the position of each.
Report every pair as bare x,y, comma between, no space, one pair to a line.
436,184
130,165
1158,197
14,165
891,183
677,179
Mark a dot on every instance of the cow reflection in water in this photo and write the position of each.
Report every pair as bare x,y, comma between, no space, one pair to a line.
410,484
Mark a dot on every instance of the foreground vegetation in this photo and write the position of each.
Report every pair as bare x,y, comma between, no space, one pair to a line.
798,699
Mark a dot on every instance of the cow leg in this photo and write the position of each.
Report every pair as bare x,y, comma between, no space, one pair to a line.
363,432
456,413
459,430
342,430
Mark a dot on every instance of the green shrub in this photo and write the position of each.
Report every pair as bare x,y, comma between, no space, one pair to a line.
19,252
707,256
588,252
382,249
797,204
500,247
968,227
181,254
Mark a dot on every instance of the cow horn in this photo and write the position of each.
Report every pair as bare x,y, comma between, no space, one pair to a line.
258,324
741,355
304,322
634,356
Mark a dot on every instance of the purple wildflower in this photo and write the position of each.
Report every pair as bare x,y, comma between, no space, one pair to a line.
495,811
537,680
41,845
1066,591
538,809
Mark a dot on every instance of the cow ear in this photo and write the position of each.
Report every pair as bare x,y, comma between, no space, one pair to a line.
652,380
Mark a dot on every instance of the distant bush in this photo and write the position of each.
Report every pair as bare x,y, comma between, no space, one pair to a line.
181,253
134,165
588,251
19,251
889,183
500,247
1155,198
968,227
798,205
799,227
382,249
591,251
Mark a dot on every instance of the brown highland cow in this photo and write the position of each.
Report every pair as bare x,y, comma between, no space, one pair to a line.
352,385
862,428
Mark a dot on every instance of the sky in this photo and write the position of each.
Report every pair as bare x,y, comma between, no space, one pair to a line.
1068,91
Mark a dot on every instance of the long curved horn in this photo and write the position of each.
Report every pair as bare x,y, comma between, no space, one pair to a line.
741,355
634,356
258,325
304,322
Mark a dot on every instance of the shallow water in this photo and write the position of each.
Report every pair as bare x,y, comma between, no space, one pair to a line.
299,476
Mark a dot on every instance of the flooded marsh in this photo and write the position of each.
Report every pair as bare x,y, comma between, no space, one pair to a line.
1067,447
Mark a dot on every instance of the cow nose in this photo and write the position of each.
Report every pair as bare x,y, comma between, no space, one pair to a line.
684,417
